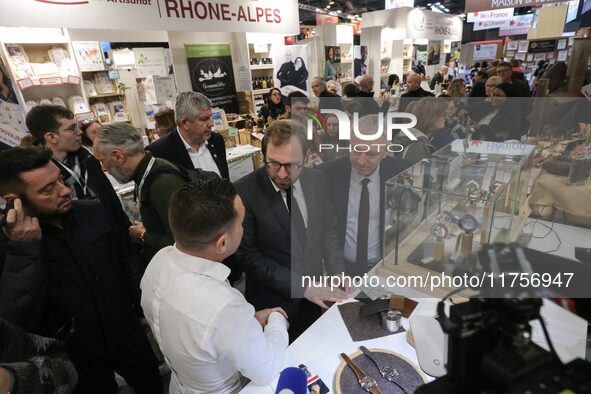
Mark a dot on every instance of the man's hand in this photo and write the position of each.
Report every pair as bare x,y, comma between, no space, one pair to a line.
262,316
19,227
5,379
137,231
318,295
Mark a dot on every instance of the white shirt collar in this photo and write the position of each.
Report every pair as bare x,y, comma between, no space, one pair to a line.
201,266
189,147
296,184
373,178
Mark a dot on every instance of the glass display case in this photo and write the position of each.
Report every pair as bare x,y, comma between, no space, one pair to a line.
439,212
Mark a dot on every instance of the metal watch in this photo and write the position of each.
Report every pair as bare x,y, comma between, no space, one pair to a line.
439,231
389,373
473,190
366,382
468,223
495,186
446,218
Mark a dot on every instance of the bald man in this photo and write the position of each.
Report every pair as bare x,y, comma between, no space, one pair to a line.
414,91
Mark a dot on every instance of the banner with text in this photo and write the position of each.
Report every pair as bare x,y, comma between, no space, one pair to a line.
484,5
210,68
489,16
485,52
518,25
266,16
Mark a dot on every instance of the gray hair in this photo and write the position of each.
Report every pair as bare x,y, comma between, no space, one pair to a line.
322,82
188,105
122,136
369,125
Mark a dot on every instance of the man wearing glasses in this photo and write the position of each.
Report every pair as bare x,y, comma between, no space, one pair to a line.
289,231
56,128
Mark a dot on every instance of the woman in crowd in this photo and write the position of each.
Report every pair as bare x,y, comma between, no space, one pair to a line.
481,112
274,106
430,113
457,88
89,128
165,122
506,123
393,83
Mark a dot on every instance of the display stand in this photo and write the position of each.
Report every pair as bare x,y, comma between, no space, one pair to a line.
341,36
389,34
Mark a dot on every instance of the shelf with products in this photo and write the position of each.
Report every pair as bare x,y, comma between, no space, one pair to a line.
261,66
107,101
43,70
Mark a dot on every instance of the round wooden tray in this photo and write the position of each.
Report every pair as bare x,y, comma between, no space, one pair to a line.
411,376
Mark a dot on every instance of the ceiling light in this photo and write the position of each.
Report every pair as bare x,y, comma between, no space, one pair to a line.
331,3
318,9
429,5
339,11
328,6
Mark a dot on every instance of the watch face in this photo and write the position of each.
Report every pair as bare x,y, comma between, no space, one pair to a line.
495,186
439,231
444,217
473,190
367,383
468,223
389,373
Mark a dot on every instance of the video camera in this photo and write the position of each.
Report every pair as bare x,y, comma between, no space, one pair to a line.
490,348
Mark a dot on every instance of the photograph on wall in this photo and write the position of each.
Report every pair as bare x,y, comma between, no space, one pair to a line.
523,45
360,60
421,54
510,54
562,55
291,69
150,61
520,56
210,68
539,56
562,44
530,57
512,45
332,67
88,55
434,53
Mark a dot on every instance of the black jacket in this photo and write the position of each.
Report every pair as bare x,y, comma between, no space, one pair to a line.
82,272
271,260
171,148
409,97
438,78
338,178
98,183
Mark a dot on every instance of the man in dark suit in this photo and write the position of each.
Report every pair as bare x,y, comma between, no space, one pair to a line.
356,188
414,91
275,252
193,144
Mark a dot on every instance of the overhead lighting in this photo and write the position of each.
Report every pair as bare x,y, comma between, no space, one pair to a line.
339,11
318,10
328,6
429,5
331,3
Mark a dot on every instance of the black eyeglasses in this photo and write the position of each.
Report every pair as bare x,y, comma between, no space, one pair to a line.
289,167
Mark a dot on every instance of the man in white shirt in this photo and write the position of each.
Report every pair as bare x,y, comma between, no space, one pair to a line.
208,333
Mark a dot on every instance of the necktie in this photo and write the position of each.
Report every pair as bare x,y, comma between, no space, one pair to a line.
297,219
363,228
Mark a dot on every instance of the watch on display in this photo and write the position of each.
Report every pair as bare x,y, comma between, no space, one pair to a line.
387,371
473,190
495,186
468,223
439,231
366,382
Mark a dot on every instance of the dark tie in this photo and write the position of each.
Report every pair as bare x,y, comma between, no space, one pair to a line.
363,228
296,217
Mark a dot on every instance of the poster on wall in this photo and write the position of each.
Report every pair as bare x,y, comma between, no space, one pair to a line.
485,52
434,53
291,69
421,53
519,24
520,56
332,67
512,45
360,60
210,68
523,45
562,55
88,55
150,61
542,46
12,118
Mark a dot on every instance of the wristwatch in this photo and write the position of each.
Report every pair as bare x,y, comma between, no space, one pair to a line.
439,231
468,223
495,186
387,371
473,190
446,218
366,382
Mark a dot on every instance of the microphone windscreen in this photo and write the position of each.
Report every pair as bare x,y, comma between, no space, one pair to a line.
292,381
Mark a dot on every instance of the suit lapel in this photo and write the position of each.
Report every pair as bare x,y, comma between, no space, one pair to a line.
212,146
276,200
342,207
180,150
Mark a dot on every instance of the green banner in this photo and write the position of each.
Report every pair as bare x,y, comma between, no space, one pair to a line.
208,50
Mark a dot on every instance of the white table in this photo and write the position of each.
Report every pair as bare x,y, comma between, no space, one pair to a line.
319,347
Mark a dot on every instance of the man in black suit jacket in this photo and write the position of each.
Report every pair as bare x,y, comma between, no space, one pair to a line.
345,177
193,144
275,251
414,91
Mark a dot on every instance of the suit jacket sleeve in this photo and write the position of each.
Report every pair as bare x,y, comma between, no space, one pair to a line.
332,250
258,266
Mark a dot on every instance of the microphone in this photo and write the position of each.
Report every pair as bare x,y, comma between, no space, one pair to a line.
292,381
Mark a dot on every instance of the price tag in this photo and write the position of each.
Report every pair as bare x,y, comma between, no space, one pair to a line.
73,79
51,81
114,74
25,83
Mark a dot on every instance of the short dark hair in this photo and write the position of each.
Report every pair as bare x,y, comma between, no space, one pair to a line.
505,64
15,161
201,210
351,90
45,118
295,97
279,132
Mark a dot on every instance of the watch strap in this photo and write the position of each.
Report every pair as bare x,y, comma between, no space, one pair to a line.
369,354
358,371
